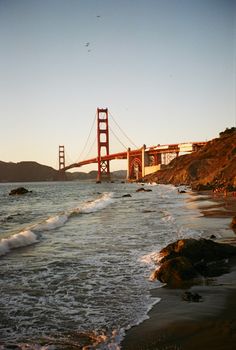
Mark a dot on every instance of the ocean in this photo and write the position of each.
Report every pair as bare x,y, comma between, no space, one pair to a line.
76,259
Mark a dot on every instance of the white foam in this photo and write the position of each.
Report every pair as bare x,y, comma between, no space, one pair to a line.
21,239
51,223
150,259
168,218
97,204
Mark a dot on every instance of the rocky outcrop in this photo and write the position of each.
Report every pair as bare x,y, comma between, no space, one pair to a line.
211,167
187,259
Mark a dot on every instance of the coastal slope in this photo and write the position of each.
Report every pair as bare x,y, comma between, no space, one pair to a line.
211,167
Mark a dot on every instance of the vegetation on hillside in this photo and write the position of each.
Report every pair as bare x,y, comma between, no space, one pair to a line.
211,167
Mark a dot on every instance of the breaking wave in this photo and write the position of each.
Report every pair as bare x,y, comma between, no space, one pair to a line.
30,235
95,205
21,239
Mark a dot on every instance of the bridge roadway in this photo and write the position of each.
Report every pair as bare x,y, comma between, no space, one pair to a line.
154,150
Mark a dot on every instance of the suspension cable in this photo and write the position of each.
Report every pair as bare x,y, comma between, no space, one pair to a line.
86,143
95,139
113,133
123,131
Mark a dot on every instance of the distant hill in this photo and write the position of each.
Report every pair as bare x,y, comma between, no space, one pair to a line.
33,171
26,171
211,167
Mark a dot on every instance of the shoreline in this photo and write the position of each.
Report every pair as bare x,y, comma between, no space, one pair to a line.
176,324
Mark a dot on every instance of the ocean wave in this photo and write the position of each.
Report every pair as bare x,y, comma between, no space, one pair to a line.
94,205
51,223
29,235
21,239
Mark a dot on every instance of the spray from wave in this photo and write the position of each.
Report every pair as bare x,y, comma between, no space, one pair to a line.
95,205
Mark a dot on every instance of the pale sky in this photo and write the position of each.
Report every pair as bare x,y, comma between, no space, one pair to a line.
165,69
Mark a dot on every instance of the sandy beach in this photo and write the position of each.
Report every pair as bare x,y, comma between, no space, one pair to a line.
176,324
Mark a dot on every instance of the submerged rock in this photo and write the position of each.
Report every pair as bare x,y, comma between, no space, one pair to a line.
142,189
19,191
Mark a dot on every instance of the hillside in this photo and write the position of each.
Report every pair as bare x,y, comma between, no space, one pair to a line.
26,171
213,166
32,171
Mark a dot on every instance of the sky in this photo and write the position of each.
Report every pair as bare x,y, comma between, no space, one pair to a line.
165,69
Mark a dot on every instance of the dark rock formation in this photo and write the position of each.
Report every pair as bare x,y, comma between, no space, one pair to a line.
19,191
187,259
142,189
191,297
126,195
175,271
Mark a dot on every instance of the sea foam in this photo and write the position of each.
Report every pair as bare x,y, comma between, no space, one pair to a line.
95,205
29,235
21,239
51,223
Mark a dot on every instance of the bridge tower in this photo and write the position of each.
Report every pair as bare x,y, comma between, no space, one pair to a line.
62,164
61,157
103,144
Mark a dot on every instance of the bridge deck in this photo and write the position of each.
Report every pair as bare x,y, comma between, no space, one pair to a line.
171,148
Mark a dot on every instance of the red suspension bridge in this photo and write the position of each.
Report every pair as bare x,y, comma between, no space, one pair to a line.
140,162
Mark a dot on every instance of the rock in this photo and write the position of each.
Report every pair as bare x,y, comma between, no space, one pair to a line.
197,250
212,237
187,259
175,271
181,191
19,191
233,223
142,189
202,187
213,268
126,195
191,297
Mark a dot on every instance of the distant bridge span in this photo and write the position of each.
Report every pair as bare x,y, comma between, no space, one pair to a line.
140,162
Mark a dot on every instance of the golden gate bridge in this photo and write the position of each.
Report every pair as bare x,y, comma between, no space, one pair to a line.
140,161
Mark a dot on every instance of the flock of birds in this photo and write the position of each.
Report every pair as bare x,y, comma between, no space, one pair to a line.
87,44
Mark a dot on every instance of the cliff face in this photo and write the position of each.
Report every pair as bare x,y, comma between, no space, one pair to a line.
213,166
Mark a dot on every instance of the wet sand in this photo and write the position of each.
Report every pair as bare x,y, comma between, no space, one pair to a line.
176,324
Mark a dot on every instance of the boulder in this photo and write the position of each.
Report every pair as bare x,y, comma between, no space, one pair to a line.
187,259
19,191
126,195
175,271
197,250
